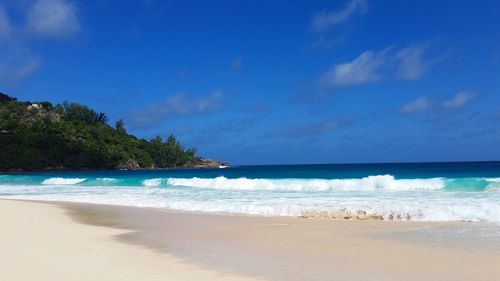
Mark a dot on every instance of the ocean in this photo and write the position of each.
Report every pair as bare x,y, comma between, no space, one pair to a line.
465,191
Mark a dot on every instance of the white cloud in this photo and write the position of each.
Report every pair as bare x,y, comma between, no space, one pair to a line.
325,20
236,64
406,63
459,100
179,104
411,63
45,19
208,104
174,106
17,63
363,69
53,18
418,105
5,27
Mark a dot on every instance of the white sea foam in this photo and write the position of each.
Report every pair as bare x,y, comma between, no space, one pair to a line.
415,199
492,179
106,179
384,182
482,206
151,182
62,181
493,183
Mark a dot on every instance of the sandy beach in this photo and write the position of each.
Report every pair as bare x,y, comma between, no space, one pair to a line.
49,241
40,242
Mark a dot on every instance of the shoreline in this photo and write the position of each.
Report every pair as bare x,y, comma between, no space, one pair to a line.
287,248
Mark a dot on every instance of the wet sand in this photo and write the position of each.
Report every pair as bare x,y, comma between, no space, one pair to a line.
272,248
284,248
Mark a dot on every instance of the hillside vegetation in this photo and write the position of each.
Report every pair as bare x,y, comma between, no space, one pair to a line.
39,136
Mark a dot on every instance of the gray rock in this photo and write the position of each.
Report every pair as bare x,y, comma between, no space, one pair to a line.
200,162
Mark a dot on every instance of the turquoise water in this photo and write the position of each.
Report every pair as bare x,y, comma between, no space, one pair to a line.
414,191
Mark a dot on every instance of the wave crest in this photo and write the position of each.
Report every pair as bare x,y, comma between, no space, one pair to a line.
152,182
63,181
384,182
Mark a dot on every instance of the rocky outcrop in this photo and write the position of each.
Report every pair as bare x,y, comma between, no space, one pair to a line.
130,165
200,162
342,214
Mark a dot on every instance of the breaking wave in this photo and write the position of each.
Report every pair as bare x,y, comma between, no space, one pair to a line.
380,197
151,182
62,181
383,182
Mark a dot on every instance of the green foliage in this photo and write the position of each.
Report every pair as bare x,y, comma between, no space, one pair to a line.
120,127
73,136
5,98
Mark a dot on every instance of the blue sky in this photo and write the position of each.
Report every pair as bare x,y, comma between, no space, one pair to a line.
268,82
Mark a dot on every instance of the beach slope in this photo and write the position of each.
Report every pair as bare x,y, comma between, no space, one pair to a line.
40,242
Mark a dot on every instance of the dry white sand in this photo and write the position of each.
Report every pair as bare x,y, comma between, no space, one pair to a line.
40,242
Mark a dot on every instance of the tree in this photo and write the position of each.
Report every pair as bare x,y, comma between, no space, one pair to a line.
73,136
120,127
5,98
100,118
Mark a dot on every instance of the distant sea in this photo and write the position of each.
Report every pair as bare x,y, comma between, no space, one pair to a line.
466,191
